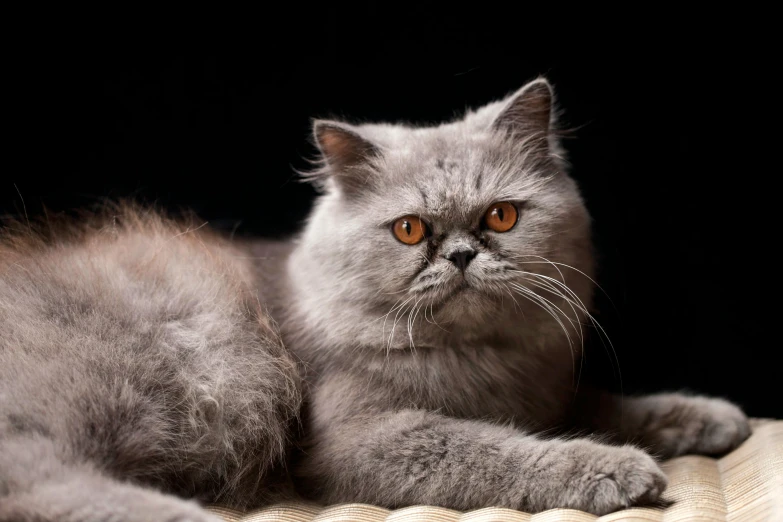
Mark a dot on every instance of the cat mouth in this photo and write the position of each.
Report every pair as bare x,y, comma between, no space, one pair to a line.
461,287
443,288
447,290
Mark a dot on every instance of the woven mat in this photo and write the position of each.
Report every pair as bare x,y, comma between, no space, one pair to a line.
743,486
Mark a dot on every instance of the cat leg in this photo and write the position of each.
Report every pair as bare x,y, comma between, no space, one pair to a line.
37,486
417,457
667,424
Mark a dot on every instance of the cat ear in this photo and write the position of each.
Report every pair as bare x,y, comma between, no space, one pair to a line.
344,152
341,144
527,111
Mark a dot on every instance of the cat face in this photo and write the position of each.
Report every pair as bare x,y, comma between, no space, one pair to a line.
448,217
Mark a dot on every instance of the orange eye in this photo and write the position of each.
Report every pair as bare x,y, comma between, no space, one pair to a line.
409,229
501,216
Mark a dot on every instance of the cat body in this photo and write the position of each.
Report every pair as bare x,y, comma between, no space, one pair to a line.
435,302
437,297
135,359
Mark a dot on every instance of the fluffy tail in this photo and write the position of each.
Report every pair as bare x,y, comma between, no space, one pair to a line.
37,485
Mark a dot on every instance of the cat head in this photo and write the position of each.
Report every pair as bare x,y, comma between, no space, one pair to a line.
445,218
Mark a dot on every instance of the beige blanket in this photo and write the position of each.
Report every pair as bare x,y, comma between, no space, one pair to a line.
745,485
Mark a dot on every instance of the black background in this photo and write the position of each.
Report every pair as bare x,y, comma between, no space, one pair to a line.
669,149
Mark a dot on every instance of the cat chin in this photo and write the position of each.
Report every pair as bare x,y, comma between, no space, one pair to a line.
464,292
469,285
467,301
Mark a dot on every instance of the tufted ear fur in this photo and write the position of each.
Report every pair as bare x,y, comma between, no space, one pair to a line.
345,152
529,110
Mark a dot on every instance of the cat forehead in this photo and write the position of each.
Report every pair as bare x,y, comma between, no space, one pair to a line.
424,139
449,153
450,172
448,184
450,156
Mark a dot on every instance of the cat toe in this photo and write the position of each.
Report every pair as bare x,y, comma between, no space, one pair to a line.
615,478
636,479
725,428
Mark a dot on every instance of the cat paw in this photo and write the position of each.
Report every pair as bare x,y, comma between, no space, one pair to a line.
609,478
702,425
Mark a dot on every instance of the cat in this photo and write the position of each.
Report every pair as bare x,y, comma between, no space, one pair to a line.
136,366
432,307
436,296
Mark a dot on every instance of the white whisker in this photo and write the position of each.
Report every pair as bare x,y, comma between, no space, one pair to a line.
574,300
542,303
556,264
385,317
516,304
411,319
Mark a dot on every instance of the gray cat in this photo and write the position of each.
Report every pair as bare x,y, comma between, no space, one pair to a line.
435,299
438,295
135,359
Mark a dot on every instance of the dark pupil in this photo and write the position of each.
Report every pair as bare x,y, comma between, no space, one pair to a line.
407,226
499,213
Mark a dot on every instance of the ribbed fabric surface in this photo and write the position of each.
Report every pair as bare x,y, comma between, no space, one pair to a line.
743,486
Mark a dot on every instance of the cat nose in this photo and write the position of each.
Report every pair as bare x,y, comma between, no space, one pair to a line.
461,258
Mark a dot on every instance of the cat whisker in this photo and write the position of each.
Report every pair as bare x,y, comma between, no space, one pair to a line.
425,314
580,333
403,309
425,258
545,285
576,301
540,302
596,324
432,315
550,307
404,290
411,319
516,303
573,305
556,264
396,306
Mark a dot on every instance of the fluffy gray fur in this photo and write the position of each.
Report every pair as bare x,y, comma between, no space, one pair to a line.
135,359
429,385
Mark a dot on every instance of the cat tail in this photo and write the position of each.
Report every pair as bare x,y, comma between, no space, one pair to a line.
38,485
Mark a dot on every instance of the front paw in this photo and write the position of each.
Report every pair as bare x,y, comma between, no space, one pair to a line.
607,478
700,425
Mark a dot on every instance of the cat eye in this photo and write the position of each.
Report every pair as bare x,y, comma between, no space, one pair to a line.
501,216
409,229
